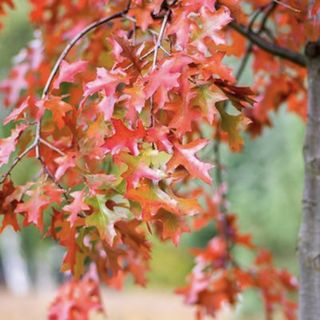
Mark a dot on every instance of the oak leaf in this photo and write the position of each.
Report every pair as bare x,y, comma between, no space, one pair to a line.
77,206
124,138
185,155
68,71
8,145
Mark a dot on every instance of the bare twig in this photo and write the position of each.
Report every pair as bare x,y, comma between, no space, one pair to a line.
146,55
53,178
52,147
157,46
244,61
17,160
255,17
165,51
270,8
285,5
71,44
159,40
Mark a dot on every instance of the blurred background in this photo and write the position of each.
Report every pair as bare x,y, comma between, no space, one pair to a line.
265,187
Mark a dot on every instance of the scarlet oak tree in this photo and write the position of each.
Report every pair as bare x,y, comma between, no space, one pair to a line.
127,87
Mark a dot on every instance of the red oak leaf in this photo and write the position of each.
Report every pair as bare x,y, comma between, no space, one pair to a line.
99,181
152,199
214,22
34,207
59,108
106,81
170,226
76,206
14,115
135,99
128,54
184,114
10,219
180,27
165,78
106,106
142,14
65,162
124,138
206,99
160,136
68,72
138,168
8,145
209,34
7,209
185,155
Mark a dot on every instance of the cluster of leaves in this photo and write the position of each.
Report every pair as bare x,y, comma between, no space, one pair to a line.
117,130
78,299
218,279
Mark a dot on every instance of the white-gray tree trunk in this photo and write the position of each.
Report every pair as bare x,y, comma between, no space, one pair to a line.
14,265
309,237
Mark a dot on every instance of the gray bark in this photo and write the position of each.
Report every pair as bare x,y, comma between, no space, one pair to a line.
309,237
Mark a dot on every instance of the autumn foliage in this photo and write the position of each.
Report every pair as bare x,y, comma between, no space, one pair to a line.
116,126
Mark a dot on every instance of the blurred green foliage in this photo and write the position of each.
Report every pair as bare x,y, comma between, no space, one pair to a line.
169,265
265,186
15,34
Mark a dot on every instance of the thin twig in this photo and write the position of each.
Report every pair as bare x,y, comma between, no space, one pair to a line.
287,6
255,17
71,44
160,37
268,13
244,61
271,7
267,46
165,51
16,161
52,177
155,58
147,54
52,147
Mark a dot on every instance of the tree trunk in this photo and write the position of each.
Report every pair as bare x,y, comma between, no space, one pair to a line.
309,238
14,266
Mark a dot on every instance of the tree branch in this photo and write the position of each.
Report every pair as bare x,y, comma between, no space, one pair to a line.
37,140
267,46
71,44
65,52
16,161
